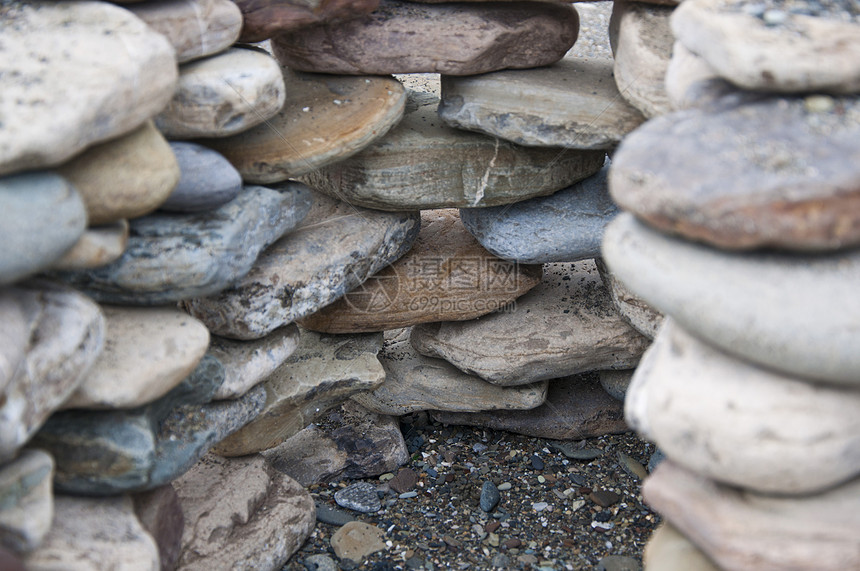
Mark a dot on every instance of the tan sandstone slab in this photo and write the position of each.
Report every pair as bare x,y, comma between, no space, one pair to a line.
223,94
573,103
446,276
745,531
324,371
764,46
455,39
564,326
241,514
323,120
195,28
147,352
642,45
126,177
668,550
99,246
266,18
424,164
77,73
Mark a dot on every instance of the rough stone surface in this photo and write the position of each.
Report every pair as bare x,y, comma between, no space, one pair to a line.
564,326
564,227
207,179
65,336
90,533
352,443
266,18
125,177
446,276
98,246
423,164
576,407
360,497
247,363
160,514
241,514
335,249
753,532
147,352
742,425
41,217
632,308
99,70
195,28
616,382
573,103
223,95
456,39
669,550
812,51
356,540
324,371
324,120
177,256
642,45
26,500
796,314
793,174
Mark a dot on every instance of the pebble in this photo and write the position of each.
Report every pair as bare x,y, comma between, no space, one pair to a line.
631,466
537,463
540,506
405,480
360,497
489,496
320,562
332,516
504,486
604,498
618,563
408,495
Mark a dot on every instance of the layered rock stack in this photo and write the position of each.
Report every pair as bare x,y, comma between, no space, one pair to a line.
742,227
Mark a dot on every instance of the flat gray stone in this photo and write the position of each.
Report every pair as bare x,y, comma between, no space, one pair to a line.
207,179
143,448
795,314
564,326
334,250
26,500
573,103
76,73
178,256
564,227
360,497
41,217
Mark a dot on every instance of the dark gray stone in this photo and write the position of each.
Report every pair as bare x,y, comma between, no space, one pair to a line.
360,497
490,496
333,516
207,180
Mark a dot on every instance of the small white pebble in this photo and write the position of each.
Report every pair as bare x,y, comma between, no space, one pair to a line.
306,109
337,101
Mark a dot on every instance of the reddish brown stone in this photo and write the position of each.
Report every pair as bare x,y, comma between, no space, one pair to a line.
161,516
265,18
404,481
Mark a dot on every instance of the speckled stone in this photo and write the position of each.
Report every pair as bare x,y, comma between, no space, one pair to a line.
207,180
360,497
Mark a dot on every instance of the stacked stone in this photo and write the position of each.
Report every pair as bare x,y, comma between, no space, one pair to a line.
742,227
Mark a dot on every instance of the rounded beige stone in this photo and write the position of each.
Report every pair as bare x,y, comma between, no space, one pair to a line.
99,246
669,550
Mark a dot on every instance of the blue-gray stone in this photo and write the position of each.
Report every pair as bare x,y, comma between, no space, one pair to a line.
41,217
564,227
178,256
102,453
207,180
489,496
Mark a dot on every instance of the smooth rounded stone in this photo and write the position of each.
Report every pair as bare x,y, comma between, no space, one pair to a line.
632,308
360,497
14,335
576,407
178,256
795,314
323,372
668,550
490,496
414,382
143,448
745,531
691,82
125,177
97,247
564,326
793,174
42,216
454,39
223,94
616,382
266,18
247,363
195,28
573,103
352,443
160,514
812,49
207,179
356,540
335,249
242,514
64,337
424,164
446,276
26,500
77,73
642,46
325,119
564,227
333,516
147,352
742,425
618,563
95,533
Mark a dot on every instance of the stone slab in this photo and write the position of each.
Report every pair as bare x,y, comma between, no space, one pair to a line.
266,18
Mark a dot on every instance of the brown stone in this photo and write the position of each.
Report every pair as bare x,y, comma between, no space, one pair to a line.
405,480
604,498
266,18
160,514
454,39
99,246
